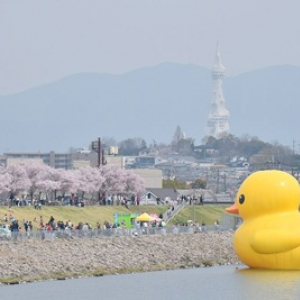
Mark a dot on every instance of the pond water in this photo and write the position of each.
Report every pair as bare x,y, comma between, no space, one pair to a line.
222,282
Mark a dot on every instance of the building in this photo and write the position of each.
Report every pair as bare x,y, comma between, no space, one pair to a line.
217,124
153,177
52,159
159,196
65,161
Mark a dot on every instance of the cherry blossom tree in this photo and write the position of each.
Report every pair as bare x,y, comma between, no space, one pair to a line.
36,172
65,181
113,182
19,181
121,181
134,184
38,177
91,180
47,185
53,181
69,181
5,180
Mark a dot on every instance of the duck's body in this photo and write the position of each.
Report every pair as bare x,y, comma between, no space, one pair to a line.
275,245
269,237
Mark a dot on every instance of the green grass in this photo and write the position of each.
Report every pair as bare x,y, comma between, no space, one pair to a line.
94,214
206,213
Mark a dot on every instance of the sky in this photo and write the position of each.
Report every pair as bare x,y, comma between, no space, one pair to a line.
43,41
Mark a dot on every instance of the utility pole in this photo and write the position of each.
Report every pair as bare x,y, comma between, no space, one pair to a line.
97,147
218,181
225,183
99,150
293,147
103,162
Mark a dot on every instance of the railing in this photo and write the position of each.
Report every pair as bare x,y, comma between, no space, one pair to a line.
109,232
172,212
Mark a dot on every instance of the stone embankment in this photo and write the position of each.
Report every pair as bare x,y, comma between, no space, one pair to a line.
35,259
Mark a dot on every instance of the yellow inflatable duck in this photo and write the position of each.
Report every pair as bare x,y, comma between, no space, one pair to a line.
269,237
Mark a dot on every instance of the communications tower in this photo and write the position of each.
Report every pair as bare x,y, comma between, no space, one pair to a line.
217,124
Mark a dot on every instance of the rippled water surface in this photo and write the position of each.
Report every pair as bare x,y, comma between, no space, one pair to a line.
224,282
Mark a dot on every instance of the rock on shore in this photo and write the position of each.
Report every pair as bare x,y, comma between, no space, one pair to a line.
35,259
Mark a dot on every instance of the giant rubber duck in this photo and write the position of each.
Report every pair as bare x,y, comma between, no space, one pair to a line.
269,236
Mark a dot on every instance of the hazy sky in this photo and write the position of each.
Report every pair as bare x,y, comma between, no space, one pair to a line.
42,40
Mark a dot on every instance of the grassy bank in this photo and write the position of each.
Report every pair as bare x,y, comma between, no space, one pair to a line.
206,213
94,214
90,214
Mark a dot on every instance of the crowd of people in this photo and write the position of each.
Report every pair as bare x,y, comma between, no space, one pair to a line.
40,224
53,225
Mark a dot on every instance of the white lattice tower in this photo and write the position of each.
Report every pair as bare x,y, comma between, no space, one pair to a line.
217,124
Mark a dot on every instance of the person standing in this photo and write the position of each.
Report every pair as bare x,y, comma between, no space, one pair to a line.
201,199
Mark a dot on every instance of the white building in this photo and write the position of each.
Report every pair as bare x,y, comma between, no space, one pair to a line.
153,177
217,124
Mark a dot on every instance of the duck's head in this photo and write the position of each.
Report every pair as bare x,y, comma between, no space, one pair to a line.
266,192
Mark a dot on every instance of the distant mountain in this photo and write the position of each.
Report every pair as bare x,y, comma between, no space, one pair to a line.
265,103
148,103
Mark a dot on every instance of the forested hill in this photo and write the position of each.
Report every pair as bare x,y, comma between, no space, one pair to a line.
148,103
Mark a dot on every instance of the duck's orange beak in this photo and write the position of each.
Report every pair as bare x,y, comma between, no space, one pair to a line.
233,209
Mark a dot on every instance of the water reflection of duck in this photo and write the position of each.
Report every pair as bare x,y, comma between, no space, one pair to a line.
269,237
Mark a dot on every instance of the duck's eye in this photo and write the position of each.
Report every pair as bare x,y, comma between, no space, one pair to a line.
242,199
